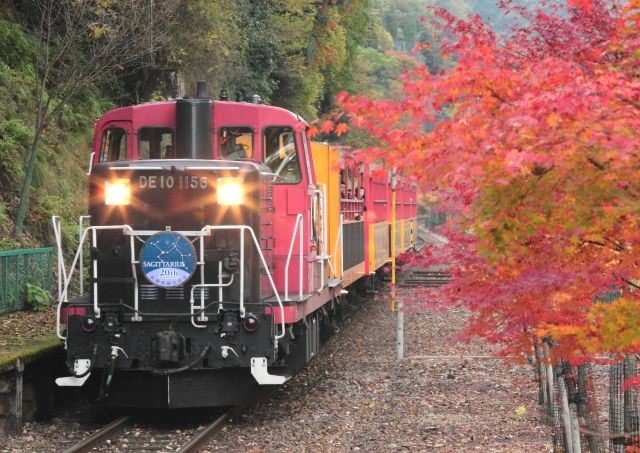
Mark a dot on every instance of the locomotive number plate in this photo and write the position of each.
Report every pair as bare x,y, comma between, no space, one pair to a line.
171,182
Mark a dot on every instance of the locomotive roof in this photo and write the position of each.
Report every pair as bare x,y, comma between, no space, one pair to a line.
227,112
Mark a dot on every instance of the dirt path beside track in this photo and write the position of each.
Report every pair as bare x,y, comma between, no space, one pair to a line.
356,397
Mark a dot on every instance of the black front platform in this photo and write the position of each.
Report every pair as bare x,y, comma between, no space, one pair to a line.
198,388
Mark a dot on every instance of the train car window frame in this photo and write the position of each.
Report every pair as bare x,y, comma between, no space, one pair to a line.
107,147
238,149
163,150
287,161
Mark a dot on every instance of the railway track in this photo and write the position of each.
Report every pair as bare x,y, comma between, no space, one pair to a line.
125,434
426,278
415,277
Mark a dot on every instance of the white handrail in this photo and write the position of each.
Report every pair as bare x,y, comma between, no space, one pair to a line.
341,246
208,228
323,249
202,286
62,291
242,310
202,275
220,289
94,242
134,274
81,244
335,248
297,227
65,278
56,232
61,269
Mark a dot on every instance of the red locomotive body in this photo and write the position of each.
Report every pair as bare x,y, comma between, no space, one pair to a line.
221,243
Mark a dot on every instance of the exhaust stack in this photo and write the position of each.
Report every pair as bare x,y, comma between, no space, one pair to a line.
193,125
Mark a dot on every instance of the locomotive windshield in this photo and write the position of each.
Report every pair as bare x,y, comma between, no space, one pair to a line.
155,143
235,143
114,145
281,155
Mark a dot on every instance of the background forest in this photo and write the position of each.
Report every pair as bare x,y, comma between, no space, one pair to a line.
297,54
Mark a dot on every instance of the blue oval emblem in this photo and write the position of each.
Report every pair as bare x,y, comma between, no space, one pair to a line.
168,259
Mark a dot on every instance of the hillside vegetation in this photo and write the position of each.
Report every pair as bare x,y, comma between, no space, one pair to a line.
296,54
58,182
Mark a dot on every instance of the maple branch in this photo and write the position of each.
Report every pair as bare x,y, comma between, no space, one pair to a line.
540,171
592,242
629,282
497,96
616,246
631,102
595,163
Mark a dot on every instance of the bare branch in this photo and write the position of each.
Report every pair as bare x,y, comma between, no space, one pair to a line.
631,102
82,42
630,282
595,163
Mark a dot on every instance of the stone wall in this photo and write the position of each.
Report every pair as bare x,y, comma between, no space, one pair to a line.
11,386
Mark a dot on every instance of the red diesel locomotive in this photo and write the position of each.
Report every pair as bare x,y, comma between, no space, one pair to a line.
221,242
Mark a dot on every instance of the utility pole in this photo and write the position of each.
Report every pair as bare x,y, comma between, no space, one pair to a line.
395,303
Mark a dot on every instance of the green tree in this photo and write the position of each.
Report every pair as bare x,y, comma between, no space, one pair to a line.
84,42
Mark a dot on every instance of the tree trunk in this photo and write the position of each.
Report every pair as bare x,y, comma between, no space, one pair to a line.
23,206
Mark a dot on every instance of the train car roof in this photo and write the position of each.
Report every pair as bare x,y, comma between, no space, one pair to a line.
224,112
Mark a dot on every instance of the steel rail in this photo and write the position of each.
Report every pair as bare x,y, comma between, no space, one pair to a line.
199,439
99,436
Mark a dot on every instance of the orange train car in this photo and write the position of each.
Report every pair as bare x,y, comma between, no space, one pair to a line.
360,201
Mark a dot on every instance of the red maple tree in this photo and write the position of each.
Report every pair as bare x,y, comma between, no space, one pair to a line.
533,140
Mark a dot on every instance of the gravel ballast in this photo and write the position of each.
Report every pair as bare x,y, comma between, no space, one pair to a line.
445,396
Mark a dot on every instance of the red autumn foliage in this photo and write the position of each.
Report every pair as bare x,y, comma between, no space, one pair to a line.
341,128
312,131
326,126
534,142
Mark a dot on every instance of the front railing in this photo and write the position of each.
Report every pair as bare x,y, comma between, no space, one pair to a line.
297,228
196,306
19,268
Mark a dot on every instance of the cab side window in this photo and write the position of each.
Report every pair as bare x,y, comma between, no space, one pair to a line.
235,143
114,145
281,155
155,143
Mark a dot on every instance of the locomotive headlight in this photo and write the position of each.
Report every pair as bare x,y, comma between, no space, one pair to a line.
117,192
230,191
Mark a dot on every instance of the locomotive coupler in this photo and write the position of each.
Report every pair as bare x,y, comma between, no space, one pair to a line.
168,346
